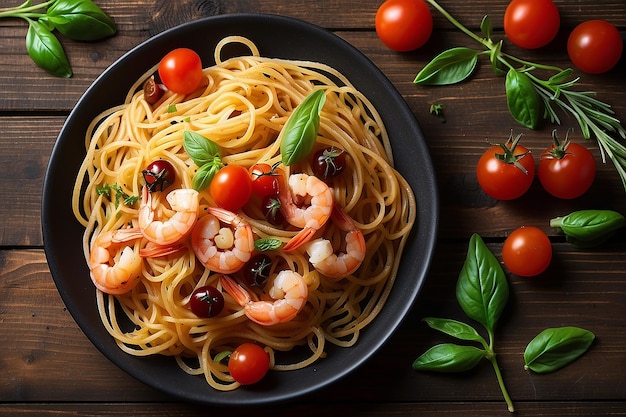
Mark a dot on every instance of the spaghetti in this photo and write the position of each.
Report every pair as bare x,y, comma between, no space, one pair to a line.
241,107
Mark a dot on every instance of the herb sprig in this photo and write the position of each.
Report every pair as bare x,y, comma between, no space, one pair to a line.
529,97
78,20
482,291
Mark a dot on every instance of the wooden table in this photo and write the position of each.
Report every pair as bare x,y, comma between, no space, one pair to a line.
50,367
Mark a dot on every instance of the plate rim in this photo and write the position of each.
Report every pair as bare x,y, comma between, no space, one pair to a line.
431,206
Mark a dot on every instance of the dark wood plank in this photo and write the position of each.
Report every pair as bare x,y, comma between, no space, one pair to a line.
363,409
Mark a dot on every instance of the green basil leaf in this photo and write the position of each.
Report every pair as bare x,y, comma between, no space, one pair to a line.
482,289
204,175
588,228
523,100
493,57
46,51
560,77
448,357
449,67
80,20
200,149
300,131
554,348
455,328
486,27
267,244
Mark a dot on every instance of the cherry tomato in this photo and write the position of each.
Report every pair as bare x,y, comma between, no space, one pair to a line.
206,301
404,25
248,364
328,163
566,170
159,175
595,46
181,70
506,171
271,211
231,187
527,251
257,270
264,180
531,24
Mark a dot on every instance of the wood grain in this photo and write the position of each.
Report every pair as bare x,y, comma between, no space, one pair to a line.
49,367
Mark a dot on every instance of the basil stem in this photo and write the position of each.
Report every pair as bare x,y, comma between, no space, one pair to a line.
300,131
589,228
46,51
554,348
448,357
80,20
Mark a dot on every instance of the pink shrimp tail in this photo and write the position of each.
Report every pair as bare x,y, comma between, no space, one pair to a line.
240,295
300,239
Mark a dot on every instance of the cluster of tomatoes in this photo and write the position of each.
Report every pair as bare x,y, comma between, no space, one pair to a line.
506,171
594,46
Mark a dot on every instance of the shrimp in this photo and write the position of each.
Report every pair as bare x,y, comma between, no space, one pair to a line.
223,250
184,202
289,292
109,272
337,266
311,216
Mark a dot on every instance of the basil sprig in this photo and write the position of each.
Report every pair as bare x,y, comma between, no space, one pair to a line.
482,292
206,155
589,228
554,348
300,131
80,20
529,97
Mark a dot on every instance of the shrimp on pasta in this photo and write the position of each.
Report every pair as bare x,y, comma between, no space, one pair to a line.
147,257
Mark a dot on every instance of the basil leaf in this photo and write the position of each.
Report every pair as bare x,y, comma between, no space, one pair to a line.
588,228
449,67
300,131
80,20
200,149
46,51
554,348
523,100
482,289
204,175
267,244
486,27
455,328
448,357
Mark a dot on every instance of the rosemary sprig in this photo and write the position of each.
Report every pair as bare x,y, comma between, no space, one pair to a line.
595,118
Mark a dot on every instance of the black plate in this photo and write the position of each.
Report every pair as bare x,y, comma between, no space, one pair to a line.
276,37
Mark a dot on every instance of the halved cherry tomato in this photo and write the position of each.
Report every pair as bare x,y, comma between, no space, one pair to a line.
404,25
506,171
567,169
231,187
248,364
264,180
181,70
531,23
595,46
527,251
